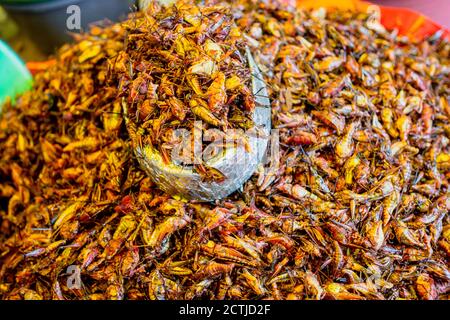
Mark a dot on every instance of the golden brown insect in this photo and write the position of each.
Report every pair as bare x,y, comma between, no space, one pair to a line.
254,283
212,269
163,230
344,147
201,110
244,246
425,287
330,119
301,138
217,92
214,218
198,289
225,253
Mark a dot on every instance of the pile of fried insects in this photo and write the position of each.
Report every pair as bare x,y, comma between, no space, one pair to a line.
183,64
355,206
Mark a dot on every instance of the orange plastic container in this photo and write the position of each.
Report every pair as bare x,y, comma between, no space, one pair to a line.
408,22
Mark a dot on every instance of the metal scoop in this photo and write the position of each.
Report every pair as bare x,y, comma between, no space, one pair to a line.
235,163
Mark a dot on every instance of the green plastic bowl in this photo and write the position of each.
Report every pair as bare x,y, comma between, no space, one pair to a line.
14,76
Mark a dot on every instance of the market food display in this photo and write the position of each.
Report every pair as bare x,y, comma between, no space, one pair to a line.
355,206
